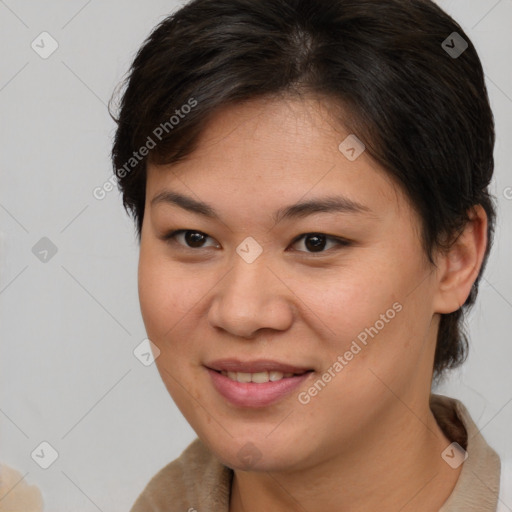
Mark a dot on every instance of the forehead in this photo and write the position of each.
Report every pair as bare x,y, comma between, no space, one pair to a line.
283,149
285,130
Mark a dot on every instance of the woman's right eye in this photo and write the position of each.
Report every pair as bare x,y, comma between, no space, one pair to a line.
187,238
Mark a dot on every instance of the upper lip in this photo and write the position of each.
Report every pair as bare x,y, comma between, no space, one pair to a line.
259,365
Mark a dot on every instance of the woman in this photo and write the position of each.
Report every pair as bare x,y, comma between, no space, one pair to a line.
309,182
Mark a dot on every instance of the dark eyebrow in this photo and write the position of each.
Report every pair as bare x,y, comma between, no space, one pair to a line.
302,209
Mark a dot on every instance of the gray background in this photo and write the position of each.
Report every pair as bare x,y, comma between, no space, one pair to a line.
70,324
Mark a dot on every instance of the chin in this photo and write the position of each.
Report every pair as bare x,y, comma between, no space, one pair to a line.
254,455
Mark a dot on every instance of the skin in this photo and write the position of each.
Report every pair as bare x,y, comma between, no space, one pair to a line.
368,440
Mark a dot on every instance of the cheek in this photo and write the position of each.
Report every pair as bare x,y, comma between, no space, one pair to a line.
374,304
347,300
166,303
151,295
166,294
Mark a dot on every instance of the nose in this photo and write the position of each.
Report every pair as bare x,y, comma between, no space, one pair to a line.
249,298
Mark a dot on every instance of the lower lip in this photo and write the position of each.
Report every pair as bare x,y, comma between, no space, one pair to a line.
251,394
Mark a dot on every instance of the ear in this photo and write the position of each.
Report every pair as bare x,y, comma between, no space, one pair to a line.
458,268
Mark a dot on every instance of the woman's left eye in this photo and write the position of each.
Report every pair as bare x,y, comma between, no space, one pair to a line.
314,242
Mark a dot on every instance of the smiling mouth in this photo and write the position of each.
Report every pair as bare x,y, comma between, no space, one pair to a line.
260,384
260,377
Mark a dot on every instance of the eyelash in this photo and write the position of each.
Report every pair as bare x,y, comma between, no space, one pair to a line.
171,239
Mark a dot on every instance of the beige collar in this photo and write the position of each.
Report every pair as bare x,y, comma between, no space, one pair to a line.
477,488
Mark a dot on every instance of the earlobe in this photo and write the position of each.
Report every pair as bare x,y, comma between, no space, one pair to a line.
458,268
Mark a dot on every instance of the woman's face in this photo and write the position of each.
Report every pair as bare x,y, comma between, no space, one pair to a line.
244,283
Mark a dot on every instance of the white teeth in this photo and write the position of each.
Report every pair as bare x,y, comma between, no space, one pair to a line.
275,375
243,377
259,377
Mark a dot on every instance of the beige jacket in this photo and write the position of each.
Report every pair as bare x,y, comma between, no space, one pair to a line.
16,495
198,481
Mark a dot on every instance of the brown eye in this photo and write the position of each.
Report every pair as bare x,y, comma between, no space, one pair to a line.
316,242
194,238
190,239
